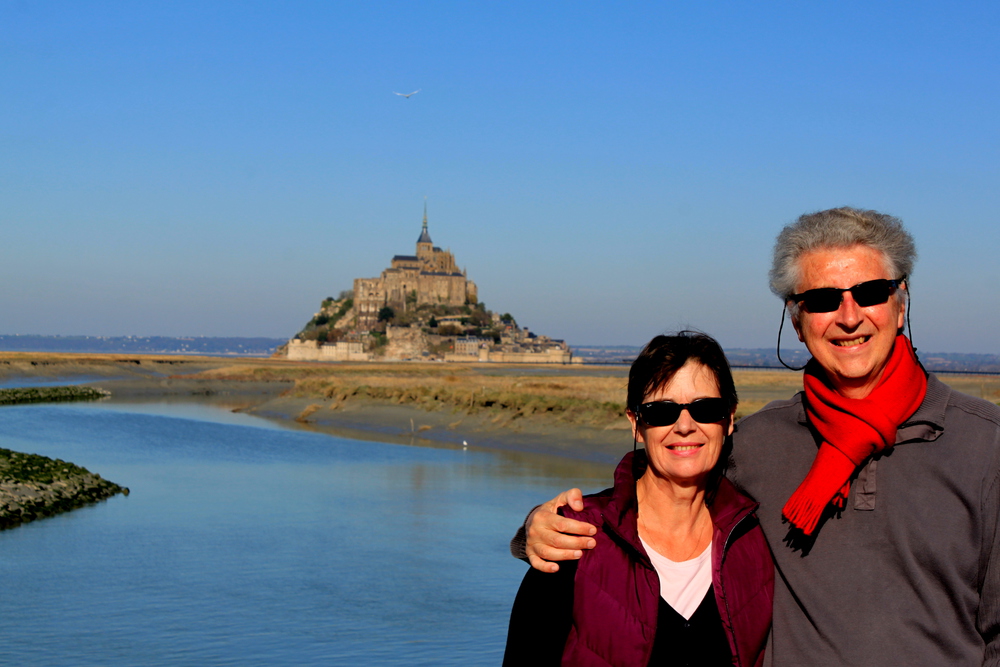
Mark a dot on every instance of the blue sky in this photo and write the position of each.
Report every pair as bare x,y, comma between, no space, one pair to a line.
605,171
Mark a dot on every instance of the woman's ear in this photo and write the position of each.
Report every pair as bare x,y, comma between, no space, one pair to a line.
636,433
732,420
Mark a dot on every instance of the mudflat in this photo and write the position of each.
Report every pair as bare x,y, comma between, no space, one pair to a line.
574,411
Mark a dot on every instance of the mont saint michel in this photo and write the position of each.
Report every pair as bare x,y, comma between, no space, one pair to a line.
421,307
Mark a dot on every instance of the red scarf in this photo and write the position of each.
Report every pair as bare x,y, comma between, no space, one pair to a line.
852,430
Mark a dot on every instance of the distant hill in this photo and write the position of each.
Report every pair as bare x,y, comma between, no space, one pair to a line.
211,346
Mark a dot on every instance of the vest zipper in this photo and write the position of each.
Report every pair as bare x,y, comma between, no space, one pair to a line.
725,597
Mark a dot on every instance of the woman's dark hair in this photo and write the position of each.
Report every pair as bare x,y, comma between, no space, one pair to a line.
657,364
663,356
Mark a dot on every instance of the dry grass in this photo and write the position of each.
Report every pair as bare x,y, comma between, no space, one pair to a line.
986,387
577,396
304,415
757,388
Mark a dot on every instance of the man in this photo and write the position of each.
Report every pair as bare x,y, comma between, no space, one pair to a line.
879,487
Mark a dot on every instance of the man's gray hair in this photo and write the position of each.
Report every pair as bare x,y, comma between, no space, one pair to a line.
840,228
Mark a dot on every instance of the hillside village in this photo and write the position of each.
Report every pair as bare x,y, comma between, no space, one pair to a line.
422,307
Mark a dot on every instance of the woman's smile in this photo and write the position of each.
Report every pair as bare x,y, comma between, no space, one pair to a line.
685,448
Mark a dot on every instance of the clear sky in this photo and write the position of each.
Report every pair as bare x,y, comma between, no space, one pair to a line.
605,171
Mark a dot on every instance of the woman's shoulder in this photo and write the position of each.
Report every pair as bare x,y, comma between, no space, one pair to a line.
593,507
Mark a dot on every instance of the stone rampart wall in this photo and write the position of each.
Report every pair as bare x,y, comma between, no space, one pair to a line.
310,350
553,356
405,343
459,358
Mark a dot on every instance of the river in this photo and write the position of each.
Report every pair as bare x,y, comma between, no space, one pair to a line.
246,543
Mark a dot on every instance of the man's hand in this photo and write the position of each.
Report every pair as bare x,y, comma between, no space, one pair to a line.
552,537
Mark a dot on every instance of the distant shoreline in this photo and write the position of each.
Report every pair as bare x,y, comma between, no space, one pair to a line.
264,347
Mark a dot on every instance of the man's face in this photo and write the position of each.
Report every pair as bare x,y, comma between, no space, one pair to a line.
851,343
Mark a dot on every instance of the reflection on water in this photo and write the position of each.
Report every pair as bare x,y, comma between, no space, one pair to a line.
242,543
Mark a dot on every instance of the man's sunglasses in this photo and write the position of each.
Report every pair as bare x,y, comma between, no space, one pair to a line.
666,413
828,299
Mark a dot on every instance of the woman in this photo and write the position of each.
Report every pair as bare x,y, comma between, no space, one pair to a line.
681,573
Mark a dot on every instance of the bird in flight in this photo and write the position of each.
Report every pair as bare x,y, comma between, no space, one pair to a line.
407,95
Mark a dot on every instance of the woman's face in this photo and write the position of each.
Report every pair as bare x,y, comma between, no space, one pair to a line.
685,451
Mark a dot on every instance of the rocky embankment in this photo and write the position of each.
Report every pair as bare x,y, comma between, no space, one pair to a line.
50,394
33,486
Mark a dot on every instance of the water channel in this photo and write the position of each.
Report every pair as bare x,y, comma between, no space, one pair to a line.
246,543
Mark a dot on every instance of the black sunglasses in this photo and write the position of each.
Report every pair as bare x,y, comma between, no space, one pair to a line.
666,413
828,299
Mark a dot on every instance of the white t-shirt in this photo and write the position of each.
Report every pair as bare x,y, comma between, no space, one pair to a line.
682,585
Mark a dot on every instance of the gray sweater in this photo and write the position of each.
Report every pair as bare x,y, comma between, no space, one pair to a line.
909,573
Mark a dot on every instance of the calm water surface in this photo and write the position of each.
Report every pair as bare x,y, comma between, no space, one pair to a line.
243,543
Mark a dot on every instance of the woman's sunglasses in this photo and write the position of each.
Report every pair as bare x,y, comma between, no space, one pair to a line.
828,299
666,413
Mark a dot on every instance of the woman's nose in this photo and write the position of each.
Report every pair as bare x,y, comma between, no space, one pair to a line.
684,423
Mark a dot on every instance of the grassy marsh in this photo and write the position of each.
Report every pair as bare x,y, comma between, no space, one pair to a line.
584,396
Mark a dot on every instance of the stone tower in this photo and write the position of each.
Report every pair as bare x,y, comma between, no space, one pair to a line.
425,247
429,277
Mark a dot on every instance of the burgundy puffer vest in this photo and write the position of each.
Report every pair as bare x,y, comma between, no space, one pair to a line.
617,591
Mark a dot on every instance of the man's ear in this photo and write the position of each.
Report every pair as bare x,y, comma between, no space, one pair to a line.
903,303
795,321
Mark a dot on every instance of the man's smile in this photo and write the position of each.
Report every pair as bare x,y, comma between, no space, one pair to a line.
851,342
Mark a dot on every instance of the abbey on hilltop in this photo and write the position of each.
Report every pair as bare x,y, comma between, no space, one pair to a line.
421,307
430,277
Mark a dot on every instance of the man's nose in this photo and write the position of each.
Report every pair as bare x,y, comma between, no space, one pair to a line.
849,314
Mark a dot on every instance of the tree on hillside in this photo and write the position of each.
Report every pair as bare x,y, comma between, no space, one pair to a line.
386,314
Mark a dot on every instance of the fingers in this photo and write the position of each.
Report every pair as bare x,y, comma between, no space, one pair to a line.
574,498
552,545
542,565
554,504
549,527
545,552
551,537
560,531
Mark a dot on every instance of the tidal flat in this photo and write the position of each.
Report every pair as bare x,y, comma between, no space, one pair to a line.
572,410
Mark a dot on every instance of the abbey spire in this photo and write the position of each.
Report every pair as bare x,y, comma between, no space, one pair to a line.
425,237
